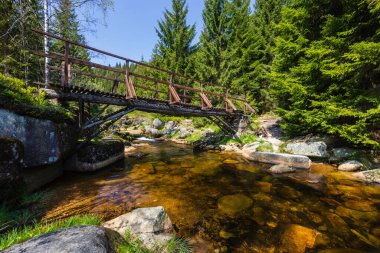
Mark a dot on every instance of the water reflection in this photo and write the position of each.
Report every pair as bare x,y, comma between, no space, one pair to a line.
226,204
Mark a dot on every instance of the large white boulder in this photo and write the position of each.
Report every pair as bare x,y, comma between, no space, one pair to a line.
151,225
313,149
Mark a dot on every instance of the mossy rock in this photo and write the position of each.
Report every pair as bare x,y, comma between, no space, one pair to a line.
100,150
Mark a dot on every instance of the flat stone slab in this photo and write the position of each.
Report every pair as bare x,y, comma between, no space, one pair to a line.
79,239
297,161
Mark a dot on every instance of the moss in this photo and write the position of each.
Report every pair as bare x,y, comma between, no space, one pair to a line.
17,97
265,147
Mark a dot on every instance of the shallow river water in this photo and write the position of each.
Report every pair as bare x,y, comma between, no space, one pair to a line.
223,203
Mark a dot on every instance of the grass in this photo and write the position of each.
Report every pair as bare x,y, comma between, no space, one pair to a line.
19,235
135,245
17,97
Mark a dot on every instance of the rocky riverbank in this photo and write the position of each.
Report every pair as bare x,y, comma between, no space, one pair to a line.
263,143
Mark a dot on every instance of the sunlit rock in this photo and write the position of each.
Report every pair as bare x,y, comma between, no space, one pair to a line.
232,204
298,161
370,176
313,149
297,239
350,166
151,225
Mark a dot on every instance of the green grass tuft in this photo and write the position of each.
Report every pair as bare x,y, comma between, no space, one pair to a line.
19,235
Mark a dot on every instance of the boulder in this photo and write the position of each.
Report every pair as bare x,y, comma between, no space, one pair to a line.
183,133
152,132
297,161
370,176
79,239
151,225
280,169
11,157
297,239
157,123
350,166
342,153
58,139
313,149
169,128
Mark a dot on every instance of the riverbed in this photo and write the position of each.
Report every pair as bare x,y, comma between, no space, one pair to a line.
224,203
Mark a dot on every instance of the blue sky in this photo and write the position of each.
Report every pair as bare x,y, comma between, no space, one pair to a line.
130,30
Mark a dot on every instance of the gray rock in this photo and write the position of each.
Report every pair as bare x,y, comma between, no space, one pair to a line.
187,123
280,169
343,152
183,133
314,149
369,176
151,225
58,139
297,161
79,239
350,166
152,132
157,123
207,132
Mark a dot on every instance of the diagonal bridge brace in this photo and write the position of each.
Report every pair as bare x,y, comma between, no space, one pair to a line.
107,121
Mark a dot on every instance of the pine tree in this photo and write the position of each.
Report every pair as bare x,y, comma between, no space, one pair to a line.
66,25
213,41
175,47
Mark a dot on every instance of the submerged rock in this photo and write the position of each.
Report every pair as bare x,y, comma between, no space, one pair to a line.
298,161
314,149
280,169
232,204
151,225
350,166
79,239
297,239
370,176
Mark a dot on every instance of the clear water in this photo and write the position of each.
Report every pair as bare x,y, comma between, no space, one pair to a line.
223,203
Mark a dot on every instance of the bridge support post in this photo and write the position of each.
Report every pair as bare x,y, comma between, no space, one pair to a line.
80,113
173,95
130,89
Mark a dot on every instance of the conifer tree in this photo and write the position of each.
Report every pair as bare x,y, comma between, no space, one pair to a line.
175,47
267,14
213,41
326,69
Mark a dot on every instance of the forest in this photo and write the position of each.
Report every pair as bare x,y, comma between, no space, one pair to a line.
314,63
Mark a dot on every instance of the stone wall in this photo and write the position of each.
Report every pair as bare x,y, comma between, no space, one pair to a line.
44,141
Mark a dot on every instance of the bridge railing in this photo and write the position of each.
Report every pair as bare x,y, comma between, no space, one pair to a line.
135,79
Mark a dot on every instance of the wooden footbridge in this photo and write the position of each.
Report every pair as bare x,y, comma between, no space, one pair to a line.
134,86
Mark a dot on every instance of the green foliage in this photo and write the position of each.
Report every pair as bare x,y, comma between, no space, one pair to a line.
22,234
326,70
174,48
135,245
248,138
265,147
26,100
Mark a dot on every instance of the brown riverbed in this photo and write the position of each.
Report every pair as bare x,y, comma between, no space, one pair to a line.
224,203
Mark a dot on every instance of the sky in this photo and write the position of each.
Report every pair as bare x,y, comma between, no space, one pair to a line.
130,27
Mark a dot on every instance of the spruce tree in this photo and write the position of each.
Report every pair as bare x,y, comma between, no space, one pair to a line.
326,69
175,46
213,41
267,14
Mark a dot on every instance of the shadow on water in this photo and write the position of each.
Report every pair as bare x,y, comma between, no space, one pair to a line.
224,203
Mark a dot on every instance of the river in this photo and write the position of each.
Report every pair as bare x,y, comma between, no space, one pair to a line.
223,203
